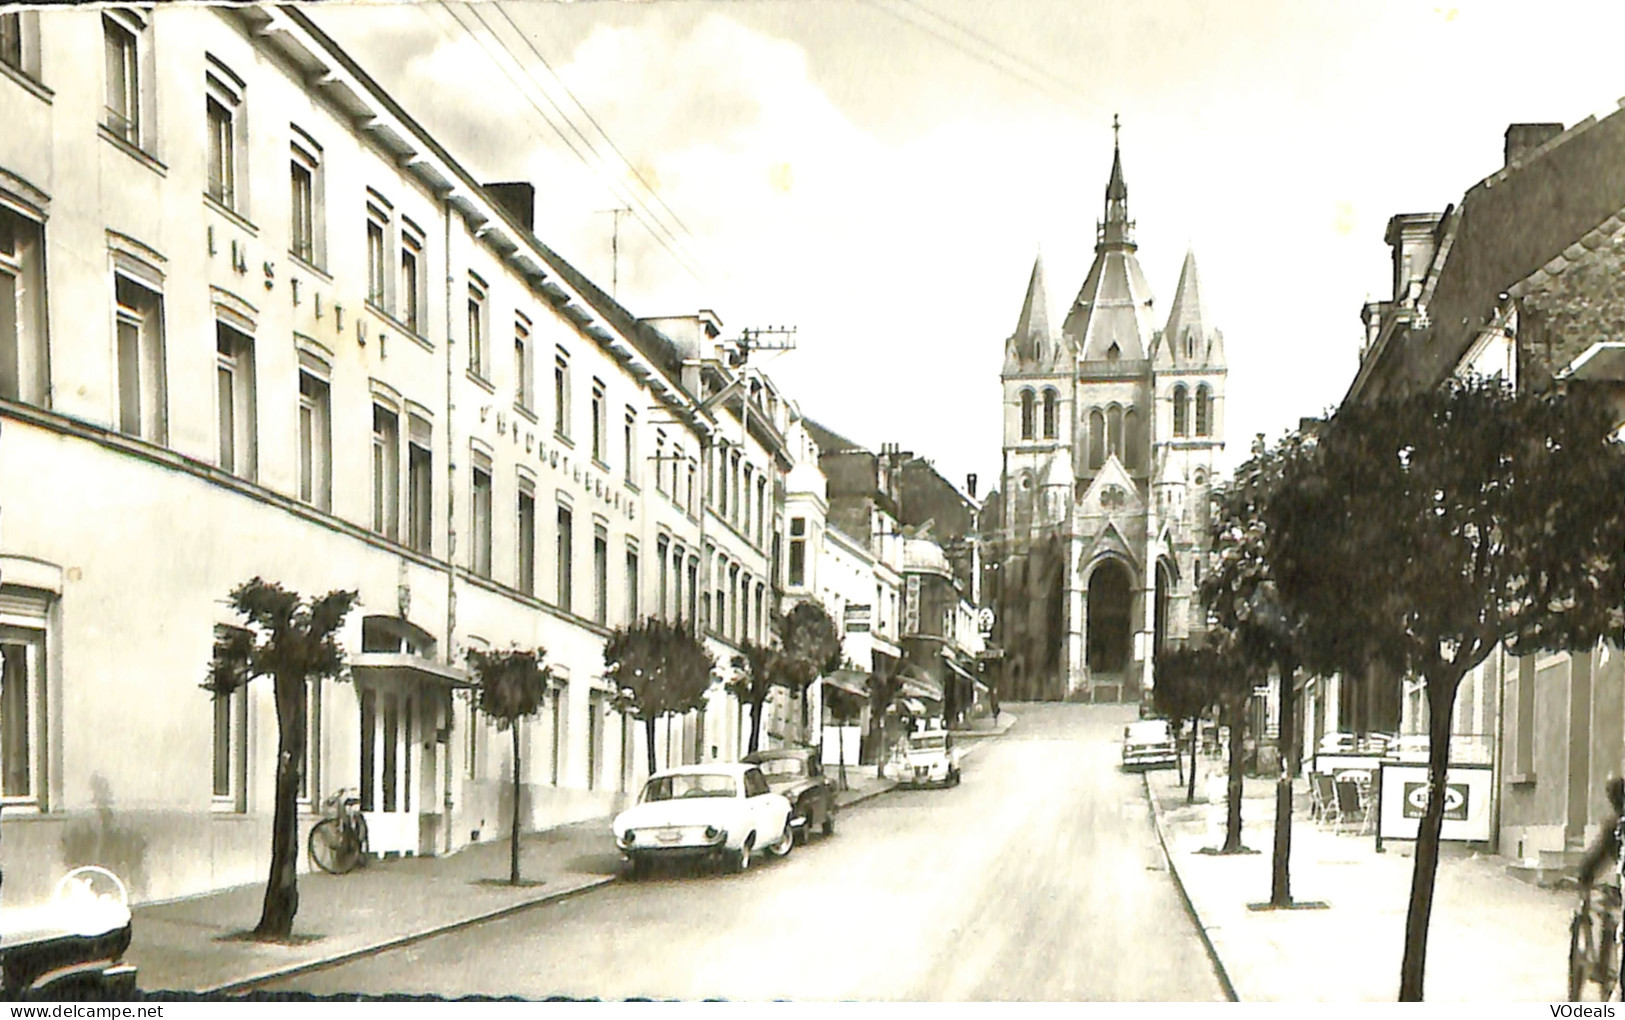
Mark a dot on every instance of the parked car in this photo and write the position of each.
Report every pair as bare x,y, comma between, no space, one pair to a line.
924,758
1149,744
717,811
798,774
72,946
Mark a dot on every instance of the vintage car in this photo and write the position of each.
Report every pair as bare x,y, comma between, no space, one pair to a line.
798,774
71,946
1149,745
721,810
924,758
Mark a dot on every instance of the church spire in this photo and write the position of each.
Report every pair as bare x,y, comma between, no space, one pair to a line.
1034,321
1117,230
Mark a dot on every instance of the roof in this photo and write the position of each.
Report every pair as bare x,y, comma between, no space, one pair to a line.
827,439
1187,317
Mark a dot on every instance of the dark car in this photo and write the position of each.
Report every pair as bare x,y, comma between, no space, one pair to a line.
73,946
798,774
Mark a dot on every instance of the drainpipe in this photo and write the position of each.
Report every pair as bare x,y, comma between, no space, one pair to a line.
1499,756
451,518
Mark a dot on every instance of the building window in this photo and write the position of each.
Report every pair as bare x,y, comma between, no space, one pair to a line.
561,393
629,445
744,504
692,509
1204,410
560,732
564,551
12,50
1133,442
1027,414
305,176
24,368
477,362
600,574
315,442
223,105
24,615
1052,417
386,454
121,34
1097,438
1181,411
595,737
733,601
1114,431
631,584
599,424
761,509
143,408
693,588
662,551
377,231
480,508
761,634
733,481
527,537
310,780
234,400
420,486
412,279
230,741
660,462
798,552
523,370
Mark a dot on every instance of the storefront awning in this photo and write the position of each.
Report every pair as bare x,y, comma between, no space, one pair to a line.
399,667
851,681
957,668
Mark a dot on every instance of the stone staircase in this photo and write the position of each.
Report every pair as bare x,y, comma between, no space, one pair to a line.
1549,868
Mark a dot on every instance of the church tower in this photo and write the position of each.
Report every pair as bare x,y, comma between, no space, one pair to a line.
1111,432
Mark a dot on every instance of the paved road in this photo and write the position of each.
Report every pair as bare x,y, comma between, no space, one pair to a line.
1038,878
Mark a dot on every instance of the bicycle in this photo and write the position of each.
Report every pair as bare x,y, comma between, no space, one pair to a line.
1593,958
338,843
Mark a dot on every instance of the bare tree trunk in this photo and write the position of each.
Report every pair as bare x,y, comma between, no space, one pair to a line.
1281,861
840,739
282,884
1441,705
756,721
1196,738
513,837
649,741
1236,710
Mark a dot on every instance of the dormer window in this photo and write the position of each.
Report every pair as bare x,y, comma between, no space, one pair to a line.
1113,352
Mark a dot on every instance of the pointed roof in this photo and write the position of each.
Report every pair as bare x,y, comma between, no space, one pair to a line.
1116,190
1113,308
1034,320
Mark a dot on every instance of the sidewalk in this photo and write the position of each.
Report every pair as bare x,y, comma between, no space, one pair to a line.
195,944
1492,937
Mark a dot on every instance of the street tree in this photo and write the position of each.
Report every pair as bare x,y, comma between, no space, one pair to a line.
1229,686
294,641
1242,597
1182,695
512,686
1423,531
811,645
658,668
756,668
846,707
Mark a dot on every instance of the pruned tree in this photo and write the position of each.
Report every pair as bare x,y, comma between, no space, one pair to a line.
657,668
756,669
1242,597
1229,688
513,687
811,646
294,641
1423,531
1183,695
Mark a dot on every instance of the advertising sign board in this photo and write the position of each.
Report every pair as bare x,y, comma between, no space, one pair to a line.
1403,799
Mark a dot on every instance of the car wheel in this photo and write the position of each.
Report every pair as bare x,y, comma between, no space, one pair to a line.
786,842
953,778
829,821
741,857
637,868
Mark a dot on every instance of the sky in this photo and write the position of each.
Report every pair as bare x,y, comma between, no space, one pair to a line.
880,174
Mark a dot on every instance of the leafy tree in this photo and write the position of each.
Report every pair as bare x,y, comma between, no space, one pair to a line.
513,686
1182,695
293,640
1242,597
757,668
1231,688
657,668
1422,531
812,648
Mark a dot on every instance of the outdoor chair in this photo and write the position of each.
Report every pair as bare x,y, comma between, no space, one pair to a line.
1351,805
1323,795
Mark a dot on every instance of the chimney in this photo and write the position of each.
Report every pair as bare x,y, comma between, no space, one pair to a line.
518,199
1522,139
970,485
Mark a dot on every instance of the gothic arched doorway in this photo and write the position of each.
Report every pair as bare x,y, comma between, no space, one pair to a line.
1160,609
1110,618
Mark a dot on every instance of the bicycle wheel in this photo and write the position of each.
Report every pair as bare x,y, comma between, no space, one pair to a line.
1579,955
329,849
1607,958
363,854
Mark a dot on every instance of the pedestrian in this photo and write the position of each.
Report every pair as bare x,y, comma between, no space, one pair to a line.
1606,849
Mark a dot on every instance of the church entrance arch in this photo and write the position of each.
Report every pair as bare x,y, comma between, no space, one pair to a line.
1111,599
1160,608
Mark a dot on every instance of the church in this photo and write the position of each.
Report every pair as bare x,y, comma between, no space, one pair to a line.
1111,430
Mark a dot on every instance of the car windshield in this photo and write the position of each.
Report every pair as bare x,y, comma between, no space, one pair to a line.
928,743
1147,733
778,768
689,784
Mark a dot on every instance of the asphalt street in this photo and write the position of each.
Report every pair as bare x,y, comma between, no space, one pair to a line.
1038,878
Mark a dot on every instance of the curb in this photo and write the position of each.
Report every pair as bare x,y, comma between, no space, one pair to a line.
248,983
1185,898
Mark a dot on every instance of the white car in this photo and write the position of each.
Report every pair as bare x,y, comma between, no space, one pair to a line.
721,810
1150,745
924,758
